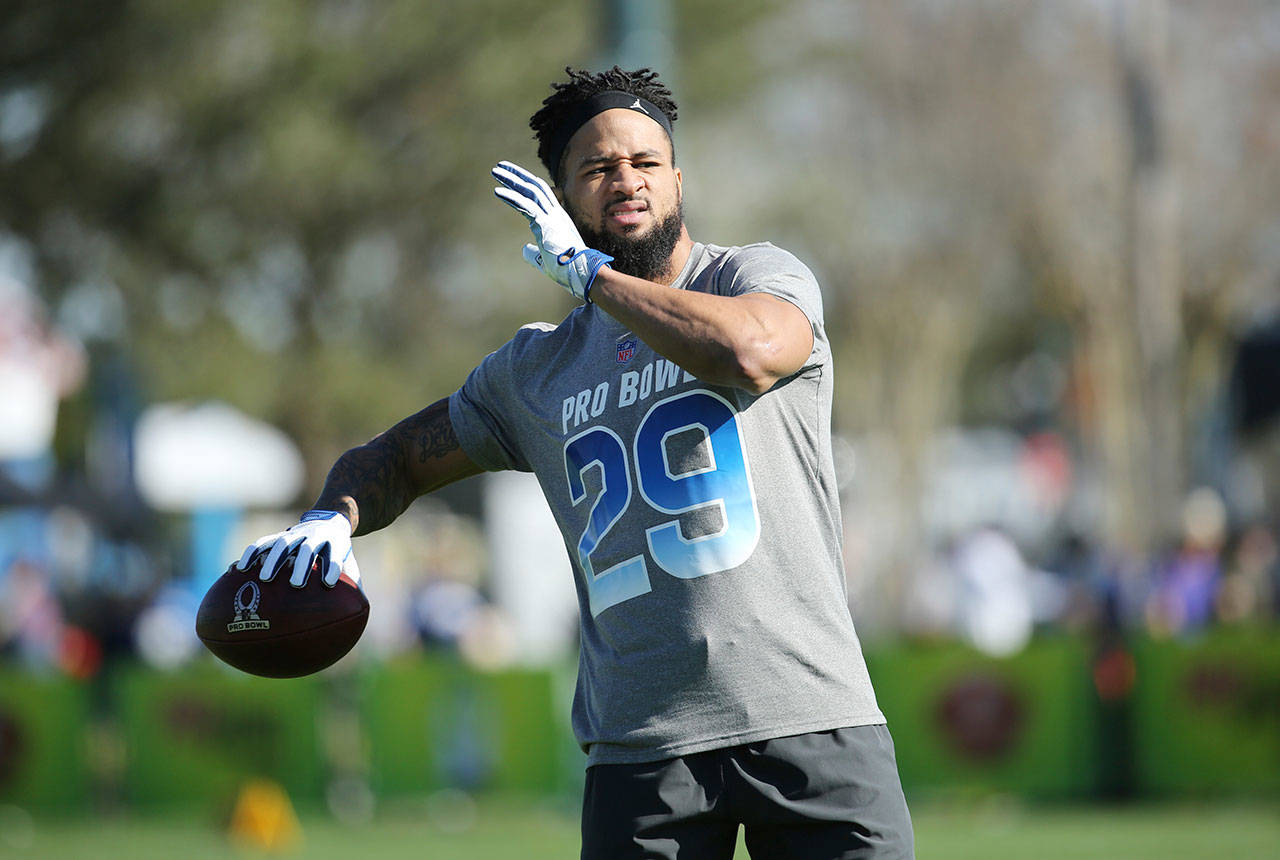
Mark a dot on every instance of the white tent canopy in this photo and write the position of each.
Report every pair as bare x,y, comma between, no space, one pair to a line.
211,455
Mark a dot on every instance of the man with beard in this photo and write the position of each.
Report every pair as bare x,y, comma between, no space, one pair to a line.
678,422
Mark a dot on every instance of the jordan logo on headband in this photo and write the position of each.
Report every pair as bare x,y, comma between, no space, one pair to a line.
637,106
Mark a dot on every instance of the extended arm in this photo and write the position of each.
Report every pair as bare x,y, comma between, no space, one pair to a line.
367,488
374,483
748,341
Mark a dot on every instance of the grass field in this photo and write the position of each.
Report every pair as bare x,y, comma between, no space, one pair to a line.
506,829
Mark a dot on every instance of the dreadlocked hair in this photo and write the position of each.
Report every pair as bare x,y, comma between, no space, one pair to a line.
582,85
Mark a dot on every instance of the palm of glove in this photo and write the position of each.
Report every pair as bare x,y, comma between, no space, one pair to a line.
558,250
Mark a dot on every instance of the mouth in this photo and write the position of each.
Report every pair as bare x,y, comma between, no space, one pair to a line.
627,213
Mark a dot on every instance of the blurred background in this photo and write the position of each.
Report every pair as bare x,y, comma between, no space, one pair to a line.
237,239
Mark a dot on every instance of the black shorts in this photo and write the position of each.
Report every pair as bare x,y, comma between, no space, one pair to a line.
819,796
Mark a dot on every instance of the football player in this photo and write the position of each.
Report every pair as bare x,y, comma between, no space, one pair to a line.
678,421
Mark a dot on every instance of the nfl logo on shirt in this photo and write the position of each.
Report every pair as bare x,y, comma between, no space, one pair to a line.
626,349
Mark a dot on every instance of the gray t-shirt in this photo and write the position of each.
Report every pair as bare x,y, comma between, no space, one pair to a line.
703,522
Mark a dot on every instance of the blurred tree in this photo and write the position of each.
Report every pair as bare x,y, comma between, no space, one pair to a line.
284,204
959,172
287,204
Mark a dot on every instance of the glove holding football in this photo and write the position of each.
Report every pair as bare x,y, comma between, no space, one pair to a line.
276,631
323,536
559,250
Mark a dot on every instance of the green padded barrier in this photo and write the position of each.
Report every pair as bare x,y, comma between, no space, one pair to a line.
43,748
433,723
963,722
197,736
1207,714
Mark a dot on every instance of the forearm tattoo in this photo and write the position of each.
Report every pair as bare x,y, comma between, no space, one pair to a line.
436,438
375,482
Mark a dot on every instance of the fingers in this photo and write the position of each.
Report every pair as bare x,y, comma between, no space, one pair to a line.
525,184
533,182
334,569
302,563
276,554
256,548
516,201
299,556
314,542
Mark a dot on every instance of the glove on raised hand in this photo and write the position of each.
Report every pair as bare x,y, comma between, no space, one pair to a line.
319,534
559,250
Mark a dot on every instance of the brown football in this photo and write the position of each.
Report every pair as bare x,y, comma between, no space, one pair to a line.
275,630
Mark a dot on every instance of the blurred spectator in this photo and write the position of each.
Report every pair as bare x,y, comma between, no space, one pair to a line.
31,622
1248,590
1083,572
442,610
994,612
983,589
447,607
38,367
1185,584
455,615
1105,589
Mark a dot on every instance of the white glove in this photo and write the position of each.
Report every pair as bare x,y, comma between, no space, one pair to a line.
559,250
325,535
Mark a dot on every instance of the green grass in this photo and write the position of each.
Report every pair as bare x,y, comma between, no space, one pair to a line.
1177,832
508,828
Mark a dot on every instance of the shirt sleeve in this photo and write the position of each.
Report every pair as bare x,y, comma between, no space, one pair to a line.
477,412
766,268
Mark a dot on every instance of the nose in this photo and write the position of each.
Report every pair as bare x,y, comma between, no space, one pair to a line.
627,179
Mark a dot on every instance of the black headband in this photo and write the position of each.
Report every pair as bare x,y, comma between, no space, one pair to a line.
588,108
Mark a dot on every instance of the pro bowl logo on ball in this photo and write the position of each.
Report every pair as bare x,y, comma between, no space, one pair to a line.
245,607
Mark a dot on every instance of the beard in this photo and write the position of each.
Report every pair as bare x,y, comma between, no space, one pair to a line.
647,256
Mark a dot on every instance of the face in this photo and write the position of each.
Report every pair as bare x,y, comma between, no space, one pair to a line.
623,192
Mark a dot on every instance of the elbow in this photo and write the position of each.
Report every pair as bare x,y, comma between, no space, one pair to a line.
756,382
735,370
768,343
754,369
763,354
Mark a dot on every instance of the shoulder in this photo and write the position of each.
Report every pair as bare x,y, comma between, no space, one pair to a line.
532,336
536,339
761,256
764,267
734,269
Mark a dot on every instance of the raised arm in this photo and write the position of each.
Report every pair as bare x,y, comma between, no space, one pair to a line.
749,341
374,483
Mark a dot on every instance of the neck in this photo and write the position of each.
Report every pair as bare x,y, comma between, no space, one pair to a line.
679,256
